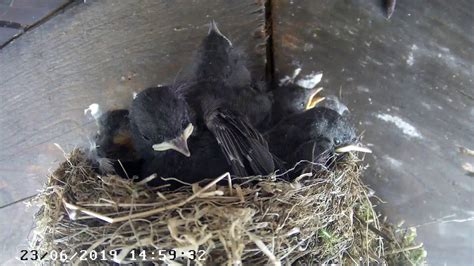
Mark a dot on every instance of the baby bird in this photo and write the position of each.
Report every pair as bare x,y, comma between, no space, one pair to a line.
162,133
113,149
316,135
313,135
197,130
164,136
159,121
223,101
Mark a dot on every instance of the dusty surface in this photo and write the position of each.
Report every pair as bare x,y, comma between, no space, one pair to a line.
97,52
408,82
18,15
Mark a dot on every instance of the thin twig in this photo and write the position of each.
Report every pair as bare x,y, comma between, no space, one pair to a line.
146,213
373,229
405,249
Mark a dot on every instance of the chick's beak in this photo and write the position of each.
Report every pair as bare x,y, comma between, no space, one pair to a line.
352,147
314,99
180,144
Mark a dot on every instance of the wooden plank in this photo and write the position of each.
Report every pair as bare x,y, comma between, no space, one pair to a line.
16,224
7,34
27,12
99,52
18,15
24,15
408,81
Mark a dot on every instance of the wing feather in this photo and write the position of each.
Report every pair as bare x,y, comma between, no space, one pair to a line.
243,146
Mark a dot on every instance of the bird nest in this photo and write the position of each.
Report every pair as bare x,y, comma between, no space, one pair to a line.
324,218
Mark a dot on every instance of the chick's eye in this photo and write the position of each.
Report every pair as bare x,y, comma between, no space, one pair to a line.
146,138
337,141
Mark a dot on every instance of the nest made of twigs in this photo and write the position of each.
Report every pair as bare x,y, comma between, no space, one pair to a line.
318,218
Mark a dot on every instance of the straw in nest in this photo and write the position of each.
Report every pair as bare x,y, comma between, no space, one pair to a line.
319,218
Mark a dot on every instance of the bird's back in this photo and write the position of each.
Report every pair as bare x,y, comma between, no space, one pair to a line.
223,102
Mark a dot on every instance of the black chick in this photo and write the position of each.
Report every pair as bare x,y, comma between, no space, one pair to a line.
222,67
159,121
315,135
113,148
162,119
161,132
114,151
224,102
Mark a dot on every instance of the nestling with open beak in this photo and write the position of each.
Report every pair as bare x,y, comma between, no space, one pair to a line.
291,99
315,135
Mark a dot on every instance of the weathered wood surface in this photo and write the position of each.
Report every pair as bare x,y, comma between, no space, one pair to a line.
7,34
16,223
97,52
18,15
409,81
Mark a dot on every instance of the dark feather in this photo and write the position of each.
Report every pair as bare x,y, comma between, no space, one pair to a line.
206,161
244,147
312,135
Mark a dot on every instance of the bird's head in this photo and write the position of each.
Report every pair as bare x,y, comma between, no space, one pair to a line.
334,129
160,121
215,41
341,132
343,136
